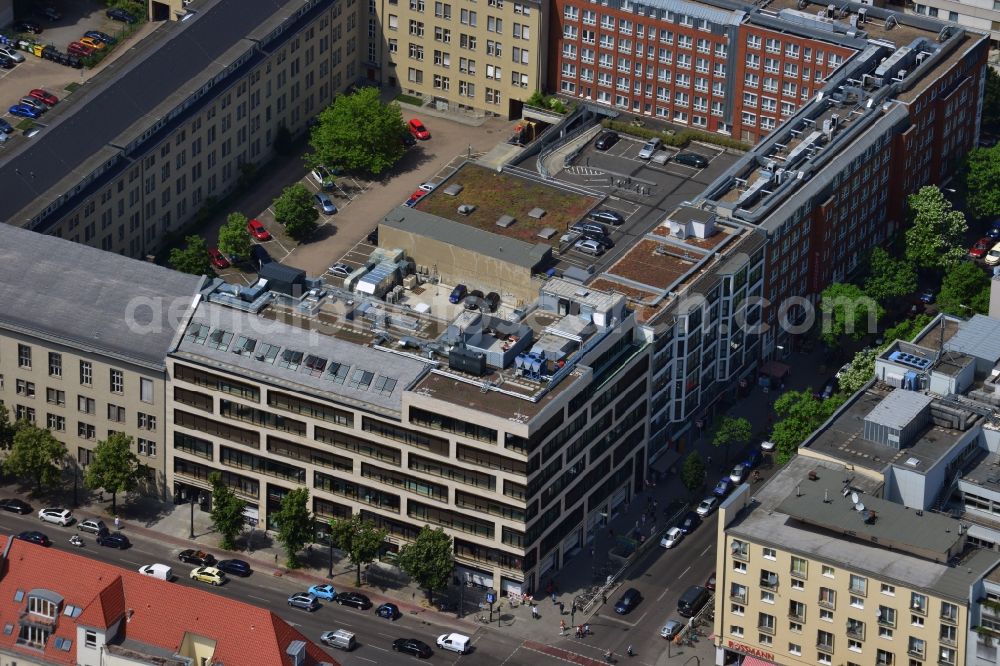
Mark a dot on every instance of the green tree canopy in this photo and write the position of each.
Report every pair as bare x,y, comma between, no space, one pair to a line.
982,181
861,371
847,311
731,431
965,290
234,239
192,258
936,235
227,511
693,471
889,277
428,559
114,467
7,429
358,132
801,414
295,210
295,524
360,539
991,100
36,455
908,328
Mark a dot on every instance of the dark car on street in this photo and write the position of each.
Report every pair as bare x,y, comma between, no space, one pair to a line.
354,599
412,646
35,536
458,293
691,521
115,540
101,37
15,506
628,601
28,26
691,160
388,611
606,140
234,567
197,557
119,14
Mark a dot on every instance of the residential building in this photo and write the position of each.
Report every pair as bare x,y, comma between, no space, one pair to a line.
206,98
60,608
83,338
462,56
979,15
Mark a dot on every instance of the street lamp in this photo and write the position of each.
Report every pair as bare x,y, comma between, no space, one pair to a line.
194,500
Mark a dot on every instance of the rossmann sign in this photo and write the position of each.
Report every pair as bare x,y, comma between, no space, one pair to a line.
747,649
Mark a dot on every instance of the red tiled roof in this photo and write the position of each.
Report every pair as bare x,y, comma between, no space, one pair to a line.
159,613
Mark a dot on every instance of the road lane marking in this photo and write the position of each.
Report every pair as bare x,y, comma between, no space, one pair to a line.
665,590
685,571
380,633
367,659
614,619
375,647
257,598
707,548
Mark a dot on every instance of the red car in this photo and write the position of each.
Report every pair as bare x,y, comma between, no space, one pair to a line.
217,259
981,247
78,49
257,230
418,130
44,96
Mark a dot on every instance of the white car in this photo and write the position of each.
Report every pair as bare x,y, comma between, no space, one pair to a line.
340,270
844,369
58,516
12,53
673,537
738,474
651,147
767,446
427,187
707,506
454,642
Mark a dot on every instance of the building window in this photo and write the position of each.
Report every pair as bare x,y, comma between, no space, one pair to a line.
147,447
146,390
86,373
888,589
827,597
24,356
116,413
85,404
770,554
55,397
90,638
55,422
859,584
828,571
55,364
25,388
799,567
86,430
117,381
918,603
146,421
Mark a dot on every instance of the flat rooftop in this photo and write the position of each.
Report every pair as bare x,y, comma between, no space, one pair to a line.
815,519
68,293
901,34
938,332
842,438
498,194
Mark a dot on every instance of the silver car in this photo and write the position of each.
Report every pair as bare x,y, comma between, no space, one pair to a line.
590,246
326,204
651,147
340,270
11,53
93,526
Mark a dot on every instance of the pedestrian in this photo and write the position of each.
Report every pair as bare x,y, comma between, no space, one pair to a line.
654,505
534,612
604,599
118,523
709,461
643,519
553,597
629,651
562,627
637,524
562,607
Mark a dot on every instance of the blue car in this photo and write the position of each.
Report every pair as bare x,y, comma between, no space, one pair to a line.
5,126
458,293
234,568
723,487
994,230
101,37
24,111
323,592
754,459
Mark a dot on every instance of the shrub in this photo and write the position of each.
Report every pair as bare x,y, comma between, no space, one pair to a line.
409,99
676,139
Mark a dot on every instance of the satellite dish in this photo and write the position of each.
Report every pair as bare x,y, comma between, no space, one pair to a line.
859,507
855,498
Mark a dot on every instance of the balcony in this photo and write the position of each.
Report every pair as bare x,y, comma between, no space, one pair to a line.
766,629
857,633
824,646
797,617
916,654
739,598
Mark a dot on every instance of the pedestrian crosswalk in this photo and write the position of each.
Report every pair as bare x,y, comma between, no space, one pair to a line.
584,170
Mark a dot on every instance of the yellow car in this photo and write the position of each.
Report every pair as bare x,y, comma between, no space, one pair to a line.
208,575
95,44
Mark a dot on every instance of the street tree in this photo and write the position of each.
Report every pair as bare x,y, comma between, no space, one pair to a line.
965,290
295,524
730,431
295,210
429,559
982,181
37,455
7,429
192,258
847,311
359,538
227,511
358,132
861,371
991,100
234,239
693,472
935,238
114,468
889,277
800,415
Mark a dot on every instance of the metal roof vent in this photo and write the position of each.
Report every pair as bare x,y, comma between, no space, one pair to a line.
505,221
454,190
537,213
466,209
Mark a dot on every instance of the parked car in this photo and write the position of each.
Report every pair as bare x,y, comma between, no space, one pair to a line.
828,389
325,591
672,537
649,148
738,474
710,583
304,600
340,270
93,526
607,217
217,258
628,601
418,130
323,176
49,13
927,297
492,301
691,160
993,256
257,230
458,293
690,523
592,230
198,557
11,53
15,506
707,506
36,537
372,237
234,568
408,140
116,540
101,36
44,96
119,14
454,642
388,611
754,459
670,629
259,255
56,515
80,49
980,248
35,104
412,646
339,638
427,187
354,599
767,446
29,27
325,203
723,487
474,300
607,139
844,369
95,44
992,233
7,62
209,575
24,111
590,246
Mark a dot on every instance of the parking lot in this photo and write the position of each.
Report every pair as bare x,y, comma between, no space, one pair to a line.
640,190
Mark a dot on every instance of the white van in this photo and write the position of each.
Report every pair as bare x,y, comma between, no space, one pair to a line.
339,638
454,642
160,571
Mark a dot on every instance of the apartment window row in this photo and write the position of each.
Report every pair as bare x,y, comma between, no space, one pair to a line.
357,445
455,426
430,443
465,500
216,382
356,491
452,472
300,452
260,464
450,519
240,412
211,427
412,484
241,484
305,407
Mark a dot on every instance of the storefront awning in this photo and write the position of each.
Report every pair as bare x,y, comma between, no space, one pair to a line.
755,661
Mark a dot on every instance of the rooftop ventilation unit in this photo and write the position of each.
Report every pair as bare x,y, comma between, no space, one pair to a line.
466,209
863,14
911,360
454,190
505,221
